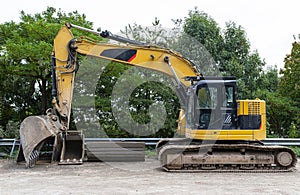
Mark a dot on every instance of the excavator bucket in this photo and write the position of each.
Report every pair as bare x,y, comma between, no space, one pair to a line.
72,148
43,140
37,133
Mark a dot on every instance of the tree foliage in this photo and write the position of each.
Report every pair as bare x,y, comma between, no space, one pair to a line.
25,62
230,49
154,34
289,90
283,116
289,83
138,105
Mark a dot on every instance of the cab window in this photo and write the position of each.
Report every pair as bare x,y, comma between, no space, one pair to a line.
229,92
207,97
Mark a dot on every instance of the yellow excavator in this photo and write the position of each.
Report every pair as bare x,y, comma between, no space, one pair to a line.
221,132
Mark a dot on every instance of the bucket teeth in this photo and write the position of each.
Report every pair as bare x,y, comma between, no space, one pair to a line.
34,156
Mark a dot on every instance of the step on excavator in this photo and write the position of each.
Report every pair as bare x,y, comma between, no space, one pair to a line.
220,132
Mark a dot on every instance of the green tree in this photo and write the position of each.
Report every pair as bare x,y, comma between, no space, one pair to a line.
141,98
289,89
282,115
103,93
269,80
205,30
25,61
144,95
229,48
153,35
289,83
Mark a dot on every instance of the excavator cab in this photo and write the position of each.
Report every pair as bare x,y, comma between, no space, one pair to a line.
219,112
214,113
212,104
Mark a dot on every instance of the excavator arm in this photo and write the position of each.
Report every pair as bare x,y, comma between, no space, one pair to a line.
53,128
66,49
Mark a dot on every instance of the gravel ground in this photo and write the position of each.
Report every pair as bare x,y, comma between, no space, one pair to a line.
137,178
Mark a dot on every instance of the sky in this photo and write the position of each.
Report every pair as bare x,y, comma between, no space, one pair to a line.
270,25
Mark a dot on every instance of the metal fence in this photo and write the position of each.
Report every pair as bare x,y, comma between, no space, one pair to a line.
153,141
8,145
11,144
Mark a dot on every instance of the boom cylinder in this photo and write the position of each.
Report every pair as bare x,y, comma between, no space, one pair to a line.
106,34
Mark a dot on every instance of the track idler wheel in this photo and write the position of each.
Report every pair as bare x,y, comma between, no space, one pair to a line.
285,159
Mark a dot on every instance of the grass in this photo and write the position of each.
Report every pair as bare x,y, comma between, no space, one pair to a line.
5,152
296,149
150,152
